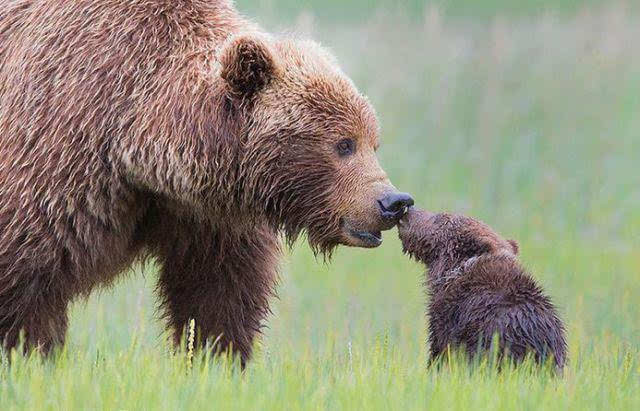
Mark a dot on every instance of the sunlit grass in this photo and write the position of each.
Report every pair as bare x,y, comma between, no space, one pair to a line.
376,376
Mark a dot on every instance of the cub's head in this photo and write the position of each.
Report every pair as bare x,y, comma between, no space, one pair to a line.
449,239
311,140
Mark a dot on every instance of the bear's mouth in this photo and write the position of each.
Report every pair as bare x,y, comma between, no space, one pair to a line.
362,238
369,238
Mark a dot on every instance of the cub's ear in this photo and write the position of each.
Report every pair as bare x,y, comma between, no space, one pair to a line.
248,64
514,246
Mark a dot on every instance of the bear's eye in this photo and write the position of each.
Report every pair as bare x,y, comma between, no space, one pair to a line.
346,147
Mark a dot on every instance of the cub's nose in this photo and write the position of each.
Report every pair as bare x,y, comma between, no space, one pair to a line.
394,205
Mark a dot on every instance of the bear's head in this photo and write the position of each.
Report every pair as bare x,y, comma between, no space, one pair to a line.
310,141
447,240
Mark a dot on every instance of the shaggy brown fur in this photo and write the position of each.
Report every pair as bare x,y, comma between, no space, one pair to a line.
477,289
174,129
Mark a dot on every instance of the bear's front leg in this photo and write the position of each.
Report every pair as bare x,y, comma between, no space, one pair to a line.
222,280
34,308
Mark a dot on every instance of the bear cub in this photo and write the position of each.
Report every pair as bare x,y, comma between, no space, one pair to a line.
478,289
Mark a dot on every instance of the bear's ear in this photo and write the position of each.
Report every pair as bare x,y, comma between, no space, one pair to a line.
248,64
514,246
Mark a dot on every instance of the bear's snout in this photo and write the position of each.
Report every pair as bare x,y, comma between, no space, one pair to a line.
394,206
364,229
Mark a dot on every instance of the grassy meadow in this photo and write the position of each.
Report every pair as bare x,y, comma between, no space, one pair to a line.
526,117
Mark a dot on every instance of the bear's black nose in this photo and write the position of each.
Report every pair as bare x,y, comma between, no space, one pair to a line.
395,204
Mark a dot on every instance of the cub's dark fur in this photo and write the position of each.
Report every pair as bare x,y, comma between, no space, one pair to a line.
478,289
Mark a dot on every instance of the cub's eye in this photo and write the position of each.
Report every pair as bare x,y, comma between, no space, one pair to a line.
346,147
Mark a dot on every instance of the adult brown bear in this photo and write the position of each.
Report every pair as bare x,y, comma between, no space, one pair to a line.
175,129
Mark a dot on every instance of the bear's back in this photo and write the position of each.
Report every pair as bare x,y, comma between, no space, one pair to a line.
87,87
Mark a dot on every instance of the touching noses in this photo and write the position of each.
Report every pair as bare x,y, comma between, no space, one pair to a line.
394,205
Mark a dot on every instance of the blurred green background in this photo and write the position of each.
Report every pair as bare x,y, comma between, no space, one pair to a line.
522,113
362,9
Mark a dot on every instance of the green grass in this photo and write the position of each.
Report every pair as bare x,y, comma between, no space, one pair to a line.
530,124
